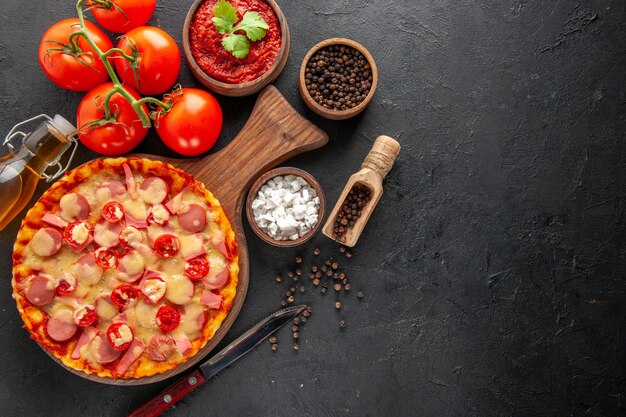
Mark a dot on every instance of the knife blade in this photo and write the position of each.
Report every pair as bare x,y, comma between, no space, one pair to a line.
235,350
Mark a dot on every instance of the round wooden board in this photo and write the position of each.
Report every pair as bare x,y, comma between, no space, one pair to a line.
274,133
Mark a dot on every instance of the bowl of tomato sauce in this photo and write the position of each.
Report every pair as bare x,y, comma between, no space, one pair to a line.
219,69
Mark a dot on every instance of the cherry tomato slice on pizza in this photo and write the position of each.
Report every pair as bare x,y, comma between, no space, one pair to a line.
113,211
85,315
105,258
120,335
67,284
167,318
197,268
124,296
166,245
76,233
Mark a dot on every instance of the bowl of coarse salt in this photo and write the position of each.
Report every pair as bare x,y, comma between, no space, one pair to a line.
285,206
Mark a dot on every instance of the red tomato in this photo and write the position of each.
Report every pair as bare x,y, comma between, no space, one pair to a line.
72,232
197,268
167,318
115,332
69,69
135,13
111,138
113,211
158,59
67,284
193,124
85,315
166,245
105,258
124,296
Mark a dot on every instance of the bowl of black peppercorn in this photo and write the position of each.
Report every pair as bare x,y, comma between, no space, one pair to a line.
338,78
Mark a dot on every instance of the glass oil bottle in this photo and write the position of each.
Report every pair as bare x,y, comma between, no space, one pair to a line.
26,164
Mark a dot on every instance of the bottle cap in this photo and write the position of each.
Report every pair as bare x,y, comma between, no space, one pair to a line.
63,125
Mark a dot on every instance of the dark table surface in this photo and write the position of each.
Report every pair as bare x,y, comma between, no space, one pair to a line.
493,267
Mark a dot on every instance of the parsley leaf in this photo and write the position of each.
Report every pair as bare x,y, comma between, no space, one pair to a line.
224,19
254,26
238,45
225,16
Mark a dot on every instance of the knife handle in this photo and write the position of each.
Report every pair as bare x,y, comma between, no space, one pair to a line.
170,396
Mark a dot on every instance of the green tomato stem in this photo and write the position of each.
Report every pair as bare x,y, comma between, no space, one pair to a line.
152,100
119,51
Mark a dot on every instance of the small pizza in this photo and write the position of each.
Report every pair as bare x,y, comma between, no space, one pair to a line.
125,268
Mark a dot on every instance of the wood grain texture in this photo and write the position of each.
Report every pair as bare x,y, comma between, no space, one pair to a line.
274,133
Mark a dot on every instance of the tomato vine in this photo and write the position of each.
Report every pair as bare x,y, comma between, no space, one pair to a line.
118,86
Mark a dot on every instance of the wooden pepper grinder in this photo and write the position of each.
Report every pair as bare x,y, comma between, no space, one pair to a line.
377,164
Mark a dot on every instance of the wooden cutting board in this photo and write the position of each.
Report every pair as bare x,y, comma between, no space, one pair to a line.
274,133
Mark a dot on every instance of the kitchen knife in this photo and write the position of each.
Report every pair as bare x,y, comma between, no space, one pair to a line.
239,347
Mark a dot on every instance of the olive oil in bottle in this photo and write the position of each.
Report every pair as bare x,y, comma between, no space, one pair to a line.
24,166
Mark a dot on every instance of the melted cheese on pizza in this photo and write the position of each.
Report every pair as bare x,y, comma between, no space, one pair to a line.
136,259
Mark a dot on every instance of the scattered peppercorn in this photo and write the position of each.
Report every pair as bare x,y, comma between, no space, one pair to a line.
274,347
347,287
338,305
273,339
290,274
305,313
295,328
283,302
298,272
316,251
279,278
298,259
348,254
316,282
334,266
290,299
337,287
360,295
303,319
338,77
302,289
296,320
296,346
342,324
296,335
314,268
